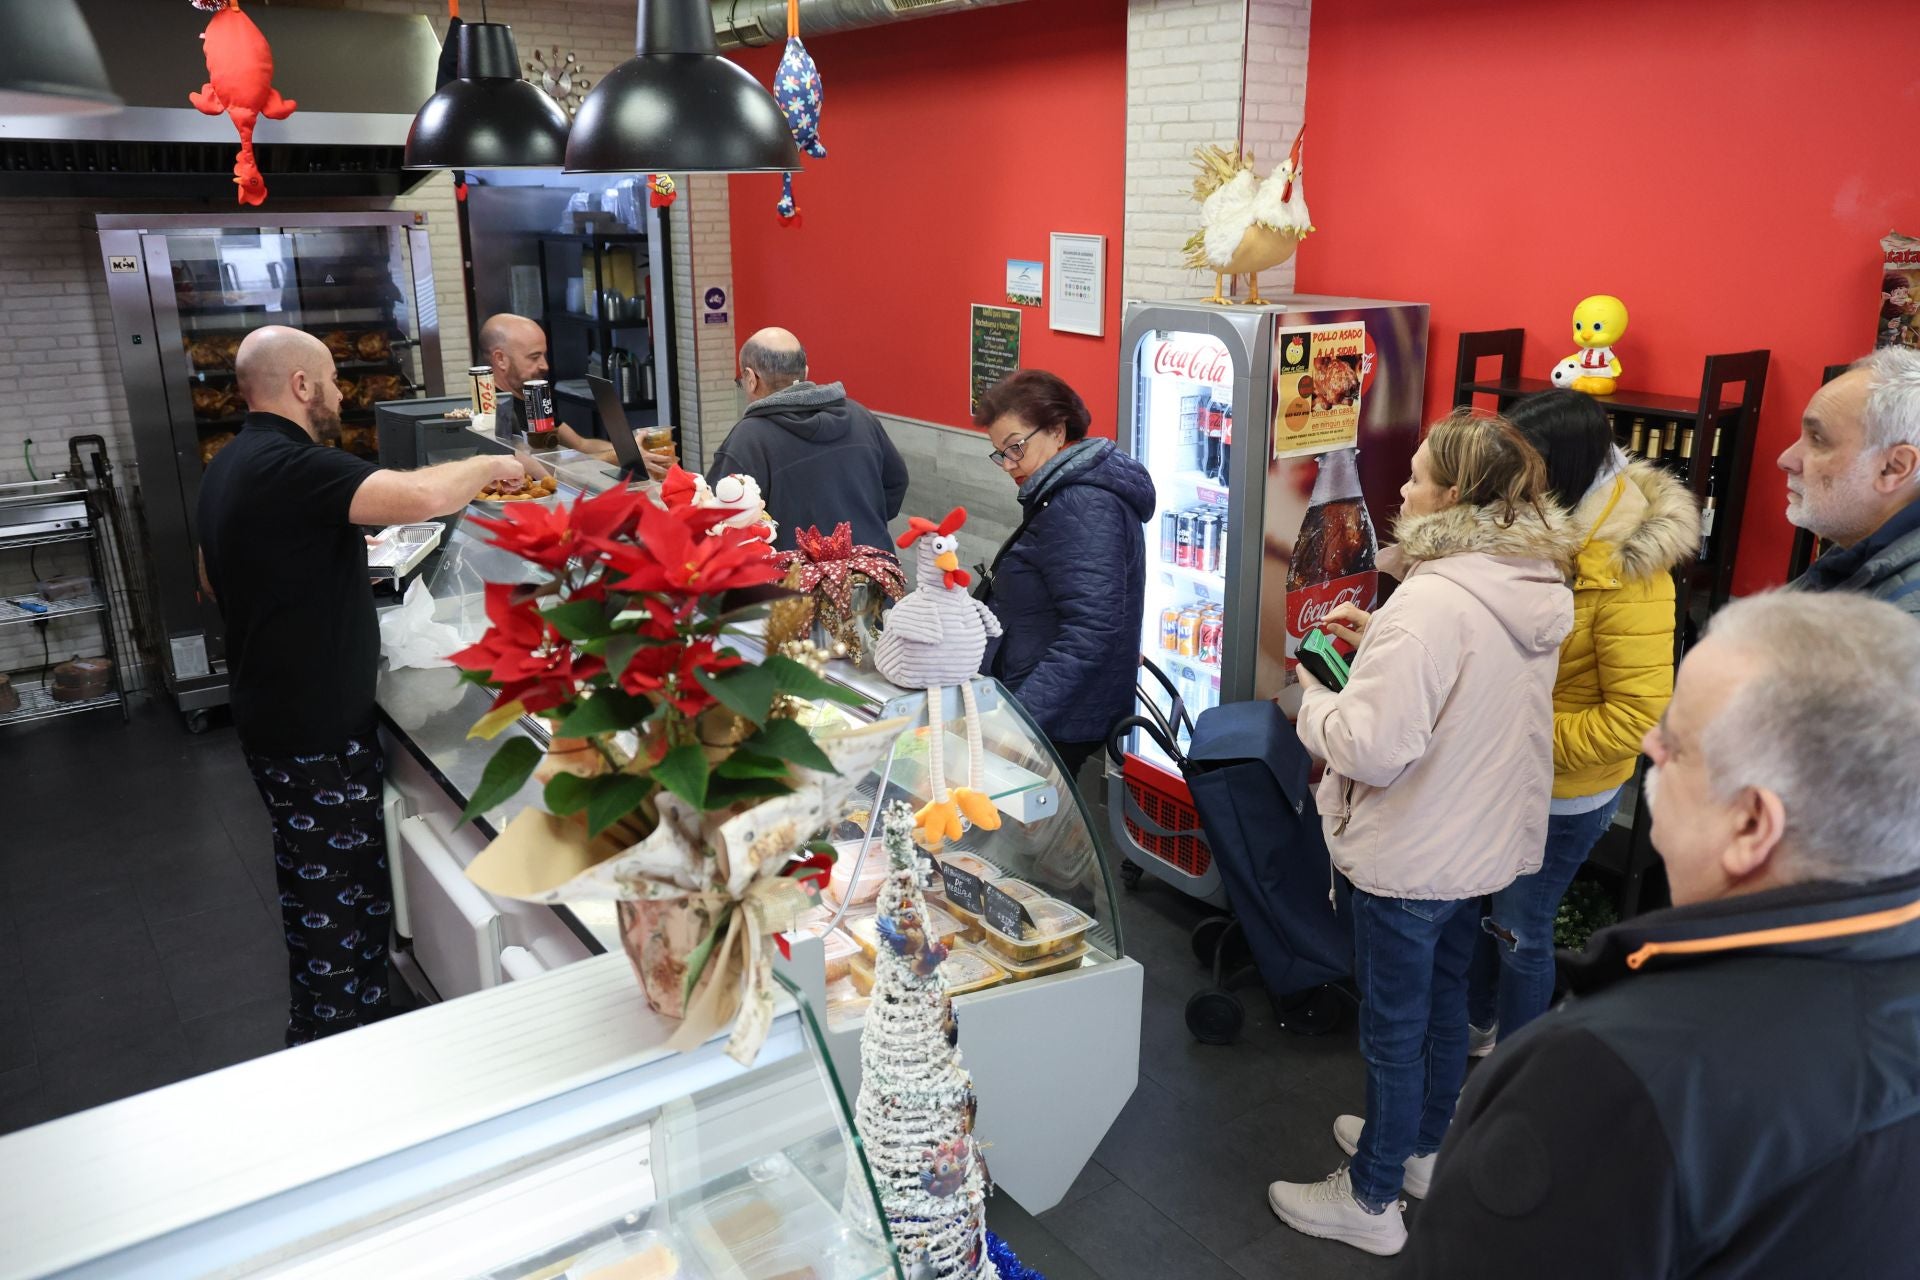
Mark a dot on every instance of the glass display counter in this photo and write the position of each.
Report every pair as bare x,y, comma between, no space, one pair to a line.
529,1133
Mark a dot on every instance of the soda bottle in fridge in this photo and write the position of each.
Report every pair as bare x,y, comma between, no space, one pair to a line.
1333,558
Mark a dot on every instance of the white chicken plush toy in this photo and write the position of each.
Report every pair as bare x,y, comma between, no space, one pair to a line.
1247,224
934,638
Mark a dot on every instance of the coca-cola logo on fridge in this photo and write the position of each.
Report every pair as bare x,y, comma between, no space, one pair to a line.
1192,356
1314,611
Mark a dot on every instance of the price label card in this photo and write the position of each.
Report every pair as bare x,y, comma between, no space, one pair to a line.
964,889
1007,914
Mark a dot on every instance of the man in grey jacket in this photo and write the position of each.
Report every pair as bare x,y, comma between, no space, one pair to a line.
818,456
1853,478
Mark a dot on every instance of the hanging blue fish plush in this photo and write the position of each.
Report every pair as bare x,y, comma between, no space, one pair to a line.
796,87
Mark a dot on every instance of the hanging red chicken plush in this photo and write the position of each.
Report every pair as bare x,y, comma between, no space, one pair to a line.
240,86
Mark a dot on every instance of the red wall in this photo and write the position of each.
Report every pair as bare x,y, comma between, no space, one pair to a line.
953,144
1726,167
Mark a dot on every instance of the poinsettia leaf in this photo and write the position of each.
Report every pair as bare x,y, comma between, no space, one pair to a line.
619,649
607,711
683,771
488,726
787,740
722,792
697,958
751,764
567,793
578,619
505,774
614,797
795,679
742,613
746,691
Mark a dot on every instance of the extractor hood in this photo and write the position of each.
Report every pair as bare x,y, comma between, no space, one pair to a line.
359,78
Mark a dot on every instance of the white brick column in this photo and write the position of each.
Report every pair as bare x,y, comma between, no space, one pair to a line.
708,402
1198,72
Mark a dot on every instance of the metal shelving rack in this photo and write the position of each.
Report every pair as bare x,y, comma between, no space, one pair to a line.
47,513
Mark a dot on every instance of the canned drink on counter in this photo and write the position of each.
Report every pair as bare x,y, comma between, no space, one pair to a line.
480,387
1184,540
1170,538
1189,631
541,433
1170,629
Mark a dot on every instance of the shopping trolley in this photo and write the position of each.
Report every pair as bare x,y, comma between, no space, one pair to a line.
1232,822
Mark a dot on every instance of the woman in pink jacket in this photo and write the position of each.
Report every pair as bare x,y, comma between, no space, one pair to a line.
1439,759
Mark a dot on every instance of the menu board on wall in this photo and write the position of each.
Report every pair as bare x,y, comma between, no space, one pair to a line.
994,350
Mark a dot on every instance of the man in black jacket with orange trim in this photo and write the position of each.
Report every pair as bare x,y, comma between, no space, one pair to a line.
1734,1089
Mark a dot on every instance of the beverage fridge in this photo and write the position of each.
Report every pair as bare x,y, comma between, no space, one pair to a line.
1278,437
185,290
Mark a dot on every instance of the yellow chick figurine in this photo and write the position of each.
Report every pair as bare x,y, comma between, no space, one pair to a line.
1598,322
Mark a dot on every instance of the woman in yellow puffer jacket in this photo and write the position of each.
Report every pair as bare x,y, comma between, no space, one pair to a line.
1616,676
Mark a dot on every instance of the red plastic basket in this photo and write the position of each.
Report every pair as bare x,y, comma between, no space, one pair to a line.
1164,798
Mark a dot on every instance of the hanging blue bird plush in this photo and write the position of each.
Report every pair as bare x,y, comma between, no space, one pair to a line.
796,87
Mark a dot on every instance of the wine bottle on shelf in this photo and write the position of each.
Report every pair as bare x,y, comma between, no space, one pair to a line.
1656,446
1706,529
1639,438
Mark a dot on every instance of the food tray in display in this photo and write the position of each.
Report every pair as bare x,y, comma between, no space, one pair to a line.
647,1255
580,471
1057,927
778,1230
838,947
1059,962
965,969
865,929
398,549
973,866
497,507
873,873
845,1001
1020,891
971,927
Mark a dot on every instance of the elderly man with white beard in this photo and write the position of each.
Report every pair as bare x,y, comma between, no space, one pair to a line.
1853,476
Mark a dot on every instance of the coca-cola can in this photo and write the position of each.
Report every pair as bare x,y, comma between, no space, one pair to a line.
1212,632
1206,543
1170,538
1186,532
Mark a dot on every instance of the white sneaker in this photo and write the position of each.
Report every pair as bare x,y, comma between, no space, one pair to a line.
1480,1040
1328,1210
1419,1169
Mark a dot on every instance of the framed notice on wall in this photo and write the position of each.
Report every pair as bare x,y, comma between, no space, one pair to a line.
1077,289
993,350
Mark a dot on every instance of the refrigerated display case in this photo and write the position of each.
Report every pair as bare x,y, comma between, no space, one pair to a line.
1278,437
536,1131
185,291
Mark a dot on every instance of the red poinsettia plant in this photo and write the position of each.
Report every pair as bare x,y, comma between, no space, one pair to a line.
623,652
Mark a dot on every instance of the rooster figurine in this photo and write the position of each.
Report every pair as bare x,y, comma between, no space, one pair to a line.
935,638
1247,225
240,86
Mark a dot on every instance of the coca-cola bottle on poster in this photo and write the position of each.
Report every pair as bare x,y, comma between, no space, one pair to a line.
1333,556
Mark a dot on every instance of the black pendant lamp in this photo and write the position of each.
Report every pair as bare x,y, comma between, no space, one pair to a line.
677,106
49,64
488,118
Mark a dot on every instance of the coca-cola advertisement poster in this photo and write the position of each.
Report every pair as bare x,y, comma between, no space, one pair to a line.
1321,371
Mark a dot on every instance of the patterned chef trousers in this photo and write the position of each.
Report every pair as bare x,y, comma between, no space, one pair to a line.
336,894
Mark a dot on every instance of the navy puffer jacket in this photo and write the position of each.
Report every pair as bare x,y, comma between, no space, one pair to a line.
1070,590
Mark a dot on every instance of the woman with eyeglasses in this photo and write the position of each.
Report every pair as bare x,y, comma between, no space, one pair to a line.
1070,584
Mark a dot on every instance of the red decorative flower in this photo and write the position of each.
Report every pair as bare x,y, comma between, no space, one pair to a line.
675,555
828,564
671,673
525,658
534,532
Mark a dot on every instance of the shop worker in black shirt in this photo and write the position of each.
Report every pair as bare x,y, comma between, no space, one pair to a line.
282,550
1734,1088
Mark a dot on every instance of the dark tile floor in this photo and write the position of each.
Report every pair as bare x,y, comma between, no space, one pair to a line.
139,944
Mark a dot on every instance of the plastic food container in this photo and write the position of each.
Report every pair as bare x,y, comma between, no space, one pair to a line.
842,887
1057,927
964,970
845,1000
866,929
1020,890
645,1255
1059,962
973,866
840,948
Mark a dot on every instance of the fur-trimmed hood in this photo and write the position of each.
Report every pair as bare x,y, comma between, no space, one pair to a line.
1517,571
1462,529
1643,524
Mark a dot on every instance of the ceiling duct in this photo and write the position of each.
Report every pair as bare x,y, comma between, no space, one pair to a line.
742,24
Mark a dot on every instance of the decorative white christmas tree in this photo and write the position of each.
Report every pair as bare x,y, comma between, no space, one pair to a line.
916,1107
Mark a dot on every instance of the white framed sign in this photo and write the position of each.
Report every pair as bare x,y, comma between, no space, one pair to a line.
1077,284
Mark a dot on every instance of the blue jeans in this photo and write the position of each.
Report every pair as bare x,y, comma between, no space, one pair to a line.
1512,981
1410,960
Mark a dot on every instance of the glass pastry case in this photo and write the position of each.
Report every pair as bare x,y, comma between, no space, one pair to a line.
533,1132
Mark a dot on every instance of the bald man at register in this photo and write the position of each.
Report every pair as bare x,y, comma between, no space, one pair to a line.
281,548
516,347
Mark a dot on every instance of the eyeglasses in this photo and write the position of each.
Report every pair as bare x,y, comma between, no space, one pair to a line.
1015,450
